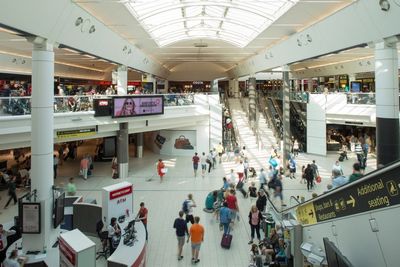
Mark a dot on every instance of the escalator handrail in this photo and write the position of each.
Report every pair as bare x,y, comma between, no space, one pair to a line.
295,198
334,191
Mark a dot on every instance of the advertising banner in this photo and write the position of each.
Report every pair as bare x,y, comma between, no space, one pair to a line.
132,106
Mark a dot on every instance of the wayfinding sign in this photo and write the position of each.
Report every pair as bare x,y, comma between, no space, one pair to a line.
379,191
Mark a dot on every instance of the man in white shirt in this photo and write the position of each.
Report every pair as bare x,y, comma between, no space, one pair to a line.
190,205
337,167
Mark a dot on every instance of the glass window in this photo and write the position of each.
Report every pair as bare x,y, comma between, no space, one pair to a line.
234,21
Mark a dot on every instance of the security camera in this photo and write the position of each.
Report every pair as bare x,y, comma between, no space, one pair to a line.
385,5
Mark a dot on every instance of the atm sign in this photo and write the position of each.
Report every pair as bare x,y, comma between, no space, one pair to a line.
121,192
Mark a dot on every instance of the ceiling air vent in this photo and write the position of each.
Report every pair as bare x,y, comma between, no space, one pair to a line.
200,45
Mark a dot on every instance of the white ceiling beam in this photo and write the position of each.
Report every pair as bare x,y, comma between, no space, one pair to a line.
359,23
56,21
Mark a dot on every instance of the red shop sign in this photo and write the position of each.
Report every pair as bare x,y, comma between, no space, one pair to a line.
120,192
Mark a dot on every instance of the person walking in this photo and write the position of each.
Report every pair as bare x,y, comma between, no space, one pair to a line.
214,155
161,169
262,178
245,168
55,165
292,168
261,201
220,151
187,208
337,167
195,161
3,242
71,187
209,161
309,174
231,200
180,226
142,215
315,169
114,167
12,187
225,217
255,218
203,161
197,237
84,167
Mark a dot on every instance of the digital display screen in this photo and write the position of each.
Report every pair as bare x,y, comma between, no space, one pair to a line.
355,87
133,106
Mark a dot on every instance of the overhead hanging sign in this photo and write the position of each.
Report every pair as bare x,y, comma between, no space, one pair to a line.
76,133
379,191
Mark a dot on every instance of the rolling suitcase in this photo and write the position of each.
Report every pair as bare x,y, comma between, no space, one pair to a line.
226,241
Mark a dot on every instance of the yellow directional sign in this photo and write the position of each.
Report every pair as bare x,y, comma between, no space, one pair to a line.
306,214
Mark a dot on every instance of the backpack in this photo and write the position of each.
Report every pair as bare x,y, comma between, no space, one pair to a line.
185,206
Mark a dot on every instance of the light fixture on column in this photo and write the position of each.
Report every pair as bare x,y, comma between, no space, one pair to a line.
385,5
92,29
78,21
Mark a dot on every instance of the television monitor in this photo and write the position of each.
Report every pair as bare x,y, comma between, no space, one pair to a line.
58,213
140,105
333,255
355,87
101,107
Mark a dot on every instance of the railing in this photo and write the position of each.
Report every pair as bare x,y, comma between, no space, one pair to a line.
361,98
302,97
21,105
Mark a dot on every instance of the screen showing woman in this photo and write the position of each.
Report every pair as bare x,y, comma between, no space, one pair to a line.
124,107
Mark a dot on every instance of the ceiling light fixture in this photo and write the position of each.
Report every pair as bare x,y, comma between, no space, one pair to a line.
78,21
92,29
385,5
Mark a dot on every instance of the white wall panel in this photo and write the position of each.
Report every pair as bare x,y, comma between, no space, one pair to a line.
316,125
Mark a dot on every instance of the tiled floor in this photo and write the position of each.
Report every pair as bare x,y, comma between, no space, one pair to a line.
164,200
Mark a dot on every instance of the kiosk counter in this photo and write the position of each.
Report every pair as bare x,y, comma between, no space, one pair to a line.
130,255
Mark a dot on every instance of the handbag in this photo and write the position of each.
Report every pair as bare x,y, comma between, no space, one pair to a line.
182,143
164,170
318,179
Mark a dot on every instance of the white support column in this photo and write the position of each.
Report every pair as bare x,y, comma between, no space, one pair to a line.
42,142
122,80
310,85
387,102
166,87
236,89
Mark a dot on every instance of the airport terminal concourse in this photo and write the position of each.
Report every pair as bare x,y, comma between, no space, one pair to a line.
240,133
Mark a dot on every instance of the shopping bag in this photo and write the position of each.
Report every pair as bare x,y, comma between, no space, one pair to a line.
318,179
164,170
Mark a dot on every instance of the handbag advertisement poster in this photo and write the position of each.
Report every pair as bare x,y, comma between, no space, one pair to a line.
178,142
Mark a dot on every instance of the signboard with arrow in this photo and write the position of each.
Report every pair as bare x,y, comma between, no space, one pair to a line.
380,190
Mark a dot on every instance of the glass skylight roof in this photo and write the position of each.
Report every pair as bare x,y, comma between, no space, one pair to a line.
234,21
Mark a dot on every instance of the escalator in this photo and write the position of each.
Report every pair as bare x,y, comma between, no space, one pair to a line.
278,107
360,218
298,127
266,107
300,109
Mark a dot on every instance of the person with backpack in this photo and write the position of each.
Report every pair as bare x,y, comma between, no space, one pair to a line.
187,208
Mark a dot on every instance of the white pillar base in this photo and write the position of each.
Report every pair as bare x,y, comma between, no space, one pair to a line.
123,170
140,152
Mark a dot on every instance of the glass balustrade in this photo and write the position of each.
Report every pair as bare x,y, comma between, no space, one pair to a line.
21,105
361,98
294,96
